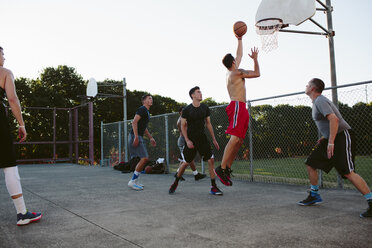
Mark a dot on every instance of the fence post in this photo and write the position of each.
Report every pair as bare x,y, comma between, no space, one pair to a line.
119,138
54,134
70,134
250,140
125,120
166,145
102,162
76,139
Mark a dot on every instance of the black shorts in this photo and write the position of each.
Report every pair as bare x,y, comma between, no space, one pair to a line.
201,145
342,159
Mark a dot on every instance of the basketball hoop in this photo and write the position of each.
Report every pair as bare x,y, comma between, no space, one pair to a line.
268,31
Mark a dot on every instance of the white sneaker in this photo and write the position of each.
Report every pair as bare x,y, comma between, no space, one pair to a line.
132,184
138,183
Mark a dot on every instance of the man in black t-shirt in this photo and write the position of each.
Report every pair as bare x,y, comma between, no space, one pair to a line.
137,146
194,118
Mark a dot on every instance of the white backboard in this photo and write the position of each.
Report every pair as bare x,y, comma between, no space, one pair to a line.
92,88
292,12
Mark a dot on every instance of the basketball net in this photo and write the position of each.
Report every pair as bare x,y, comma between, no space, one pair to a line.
268,31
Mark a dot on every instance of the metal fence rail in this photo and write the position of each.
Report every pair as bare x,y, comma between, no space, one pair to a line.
281,135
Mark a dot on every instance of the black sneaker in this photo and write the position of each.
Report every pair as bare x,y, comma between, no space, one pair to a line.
199,176
368,212
173,188
221,173
312,199
229,174
181,178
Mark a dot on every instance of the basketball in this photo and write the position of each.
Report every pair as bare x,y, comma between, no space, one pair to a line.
240,28
148,169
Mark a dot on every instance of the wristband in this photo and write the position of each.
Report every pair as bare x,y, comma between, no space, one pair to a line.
331,144
21,126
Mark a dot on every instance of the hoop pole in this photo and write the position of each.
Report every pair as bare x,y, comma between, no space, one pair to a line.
333,67
91,134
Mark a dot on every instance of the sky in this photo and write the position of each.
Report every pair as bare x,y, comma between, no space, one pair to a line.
166,47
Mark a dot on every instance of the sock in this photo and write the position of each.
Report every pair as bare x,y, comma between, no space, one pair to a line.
19,204
213,182
368,196
314,189
135,175
195,172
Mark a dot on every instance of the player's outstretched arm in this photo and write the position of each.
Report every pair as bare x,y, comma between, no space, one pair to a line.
239,52
249,73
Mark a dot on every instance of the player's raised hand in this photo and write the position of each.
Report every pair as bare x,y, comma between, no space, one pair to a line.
254,52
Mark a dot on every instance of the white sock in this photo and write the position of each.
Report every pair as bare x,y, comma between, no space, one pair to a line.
195,172
19,204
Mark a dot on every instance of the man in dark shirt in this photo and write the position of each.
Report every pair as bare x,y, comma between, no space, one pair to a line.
194,118
137,146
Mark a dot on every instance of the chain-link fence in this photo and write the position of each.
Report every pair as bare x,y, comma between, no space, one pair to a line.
280,137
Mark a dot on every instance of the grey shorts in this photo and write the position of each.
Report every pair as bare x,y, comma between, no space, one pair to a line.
181,143
137,151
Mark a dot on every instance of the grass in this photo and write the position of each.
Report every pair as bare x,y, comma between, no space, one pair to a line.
290,170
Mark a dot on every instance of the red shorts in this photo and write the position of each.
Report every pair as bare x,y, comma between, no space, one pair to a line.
238,119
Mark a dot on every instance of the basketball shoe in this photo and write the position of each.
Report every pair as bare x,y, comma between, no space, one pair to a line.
312,199
27,218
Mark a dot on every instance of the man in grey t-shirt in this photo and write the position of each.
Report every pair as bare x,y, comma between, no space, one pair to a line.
334,149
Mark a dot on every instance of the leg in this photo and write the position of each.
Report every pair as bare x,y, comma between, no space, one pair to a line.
313,197
230,151
214,189
211,168
141,164
133,184
358,182
13,184
313,175
181,170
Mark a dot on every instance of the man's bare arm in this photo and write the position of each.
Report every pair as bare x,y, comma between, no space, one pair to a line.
239,53
249,73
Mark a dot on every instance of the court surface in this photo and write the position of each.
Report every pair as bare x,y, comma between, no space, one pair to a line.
93,207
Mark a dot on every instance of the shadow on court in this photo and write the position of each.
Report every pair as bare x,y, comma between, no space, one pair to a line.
93,207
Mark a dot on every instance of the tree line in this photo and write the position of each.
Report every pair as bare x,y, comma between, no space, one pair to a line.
282,130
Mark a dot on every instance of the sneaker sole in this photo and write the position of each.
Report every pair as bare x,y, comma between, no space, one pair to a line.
218,194
28,221
309,204
222,181
136,188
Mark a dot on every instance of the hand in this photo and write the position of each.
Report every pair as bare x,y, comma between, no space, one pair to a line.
190,144
216,145
22,133
254,52
330,150
239,37
153,142
135,141
319,140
